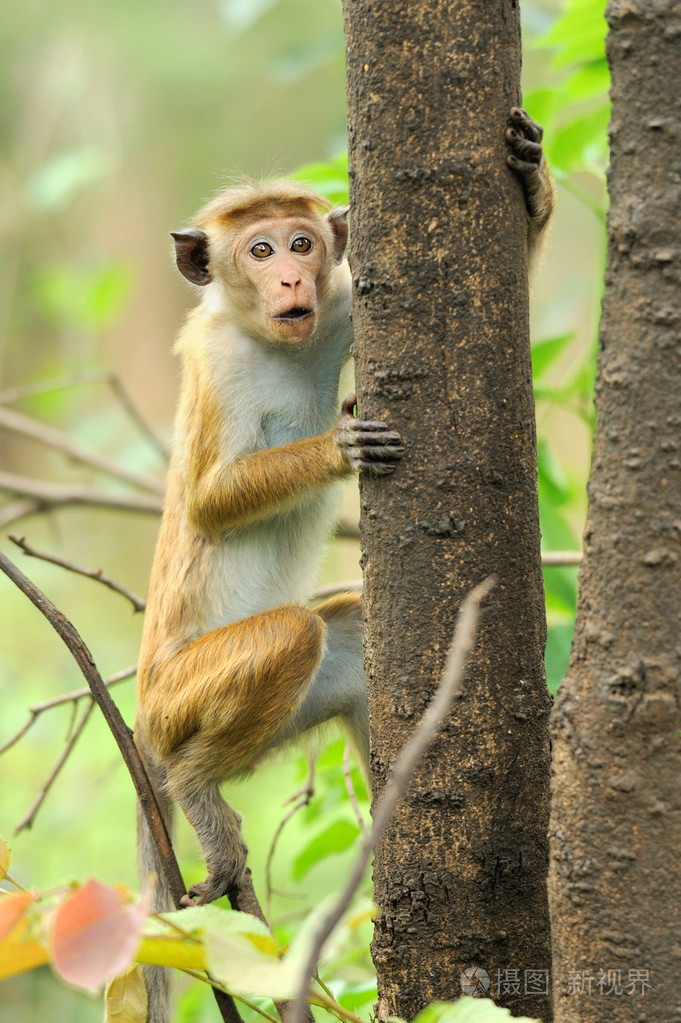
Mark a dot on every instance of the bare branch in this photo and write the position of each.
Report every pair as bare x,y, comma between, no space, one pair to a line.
124,398
18,510
88,377
120,731
350,789
300,799
28,820
332,589
549,559
124,739
53,495
57,701
450,686
346,530
555,558
138,603
26,426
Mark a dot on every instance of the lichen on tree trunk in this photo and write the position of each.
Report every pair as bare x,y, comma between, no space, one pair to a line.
439,265
615,879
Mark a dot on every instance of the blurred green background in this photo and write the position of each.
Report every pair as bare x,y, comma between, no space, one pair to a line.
117,121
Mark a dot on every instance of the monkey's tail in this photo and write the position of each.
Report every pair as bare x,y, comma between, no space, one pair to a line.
156,978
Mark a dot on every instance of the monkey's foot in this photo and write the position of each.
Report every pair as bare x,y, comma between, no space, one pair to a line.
214,887
222,875
526,158
524,139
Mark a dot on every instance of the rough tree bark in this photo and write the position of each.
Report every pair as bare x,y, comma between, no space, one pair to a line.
615,879
439,263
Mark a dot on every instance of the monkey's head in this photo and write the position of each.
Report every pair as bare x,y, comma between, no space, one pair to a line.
269,256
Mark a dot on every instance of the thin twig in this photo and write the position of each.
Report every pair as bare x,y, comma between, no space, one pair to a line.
56,701
28,820
301,798
87,377
450,686
27,426
53,495
551,559
349,586
350,789
138,603
219,987
123,736
332,1006
18,510
346,530
124,398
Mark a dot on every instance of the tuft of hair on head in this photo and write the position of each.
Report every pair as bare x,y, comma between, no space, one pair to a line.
261,199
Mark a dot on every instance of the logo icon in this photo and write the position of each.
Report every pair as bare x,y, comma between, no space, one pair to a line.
475,982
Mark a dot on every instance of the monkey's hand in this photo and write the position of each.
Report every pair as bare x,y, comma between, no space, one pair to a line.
367,444
528,161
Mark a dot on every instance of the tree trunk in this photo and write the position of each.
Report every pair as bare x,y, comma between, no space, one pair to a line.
616,820
440,311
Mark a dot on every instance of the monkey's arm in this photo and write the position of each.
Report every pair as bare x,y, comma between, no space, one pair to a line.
257,485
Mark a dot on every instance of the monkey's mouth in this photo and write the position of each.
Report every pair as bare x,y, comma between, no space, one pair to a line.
294,314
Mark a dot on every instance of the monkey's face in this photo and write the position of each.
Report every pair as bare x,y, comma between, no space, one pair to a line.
283,263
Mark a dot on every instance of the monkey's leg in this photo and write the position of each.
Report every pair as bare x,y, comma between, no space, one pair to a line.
239,683
339,686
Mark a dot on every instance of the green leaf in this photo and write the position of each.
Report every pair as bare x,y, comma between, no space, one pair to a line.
553,485
243,967
329,177
336,838
545,353
558,645
582,143
560,588
354,996
543,105
468,1010
58,181
589,81
83,297
579,34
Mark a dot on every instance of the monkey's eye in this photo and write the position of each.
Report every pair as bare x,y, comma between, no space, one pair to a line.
301,244
261,250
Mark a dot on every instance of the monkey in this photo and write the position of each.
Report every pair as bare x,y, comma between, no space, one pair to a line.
234,662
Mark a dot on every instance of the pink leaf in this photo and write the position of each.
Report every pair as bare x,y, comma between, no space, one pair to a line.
95,935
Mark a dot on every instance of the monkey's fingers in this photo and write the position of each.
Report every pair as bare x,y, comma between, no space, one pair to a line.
523,150
380,452
375,468
218,882
203,892
379,459
525,125
358,438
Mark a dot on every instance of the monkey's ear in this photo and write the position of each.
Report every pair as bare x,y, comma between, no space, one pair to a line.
338,221
191,255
